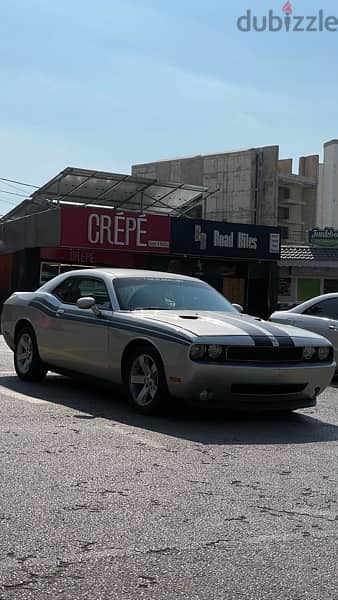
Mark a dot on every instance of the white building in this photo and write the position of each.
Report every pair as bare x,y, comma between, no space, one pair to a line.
327,201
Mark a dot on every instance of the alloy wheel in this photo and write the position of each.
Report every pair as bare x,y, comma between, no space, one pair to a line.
144,380
25,353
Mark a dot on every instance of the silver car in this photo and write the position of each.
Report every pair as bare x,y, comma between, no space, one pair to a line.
163,335
319,314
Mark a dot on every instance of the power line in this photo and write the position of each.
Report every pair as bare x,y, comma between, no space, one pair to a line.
19,182
13,187
14,193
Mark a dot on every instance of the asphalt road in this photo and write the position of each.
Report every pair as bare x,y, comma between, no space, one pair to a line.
100,503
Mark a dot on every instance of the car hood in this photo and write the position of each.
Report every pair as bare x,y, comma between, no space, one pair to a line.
209,324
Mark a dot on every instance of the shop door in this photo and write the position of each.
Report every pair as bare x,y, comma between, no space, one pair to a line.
234,290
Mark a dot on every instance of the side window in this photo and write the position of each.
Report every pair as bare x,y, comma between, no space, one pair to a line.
64,291
70,290
327,309
96,288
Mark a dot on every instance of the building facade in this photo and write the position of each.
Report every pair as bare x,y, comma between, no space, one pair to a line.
90,219
297,198
249,186
306,272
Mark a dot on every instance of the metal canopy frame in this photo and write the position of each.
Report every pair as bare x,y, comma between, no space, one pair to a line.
119,192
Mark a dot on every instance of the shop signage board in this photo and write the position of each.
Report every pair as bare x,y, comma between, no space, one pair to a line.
324,238
104,229
232,240
88,258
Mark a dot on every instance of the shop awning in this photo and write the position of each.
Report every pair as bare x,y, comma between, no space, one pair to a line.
121,192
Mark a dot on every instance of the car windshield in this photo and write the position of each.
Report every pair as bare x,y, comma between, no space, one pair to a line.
169,294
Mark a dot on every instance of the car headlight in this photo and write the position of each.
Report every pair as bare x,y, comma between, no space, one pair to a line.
308,353
214,351
197,351
323,353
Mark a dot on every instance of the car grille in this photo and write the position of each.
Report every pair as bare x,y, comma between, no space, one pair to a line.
252,389
263,355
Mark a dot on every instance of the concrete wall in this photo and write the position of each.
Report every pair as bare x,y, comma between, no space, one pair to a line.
308,166
302,203
320,209
242,186
33,231
285,166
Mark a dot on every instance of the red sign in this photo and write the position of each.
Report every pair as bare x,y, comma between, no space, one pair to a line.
83,256
102,229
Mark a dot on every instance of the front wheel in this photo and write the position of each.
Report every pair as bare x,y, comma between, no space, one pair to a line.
145,381
27,361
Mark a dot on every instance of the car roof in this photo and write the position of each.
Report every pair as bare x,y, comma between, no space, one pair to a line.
130,273
120,273
308,303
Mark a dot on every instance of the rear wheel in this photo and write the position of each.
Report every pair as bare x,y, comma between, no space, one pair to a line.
145,381
27,361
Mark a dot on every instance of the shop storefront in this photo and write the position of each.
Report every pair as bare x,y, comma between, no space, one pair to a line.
306,272
238,260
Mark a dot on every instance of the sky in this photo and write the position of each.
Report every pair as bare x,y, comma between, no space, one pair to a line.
107,84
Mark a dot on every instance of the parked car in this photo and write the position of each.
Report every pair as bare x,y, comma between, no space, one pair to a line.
319,315
163,335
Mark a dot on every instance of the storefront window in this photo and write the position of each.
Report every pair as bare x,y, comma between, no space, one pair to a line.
48,271
330,286
307,288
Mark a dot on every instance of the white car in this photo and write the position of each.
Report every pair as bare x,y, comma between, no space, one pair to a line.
319,315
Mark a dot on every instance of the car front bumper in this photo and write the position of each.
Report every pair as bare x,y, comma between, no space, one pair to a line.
269,387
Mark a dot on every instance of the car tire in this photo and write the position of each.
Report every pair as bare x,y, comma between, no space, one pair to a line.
145,381
27,361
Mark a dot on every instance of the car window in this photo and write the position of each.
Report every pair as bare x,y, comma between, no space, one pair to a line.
64,290
73,288
325,308
169,294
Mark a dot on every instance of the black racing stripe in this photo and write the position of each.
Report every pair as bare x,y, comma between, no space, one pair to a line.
71,316
259,337
284,339
43,308
75,314
285,342
45,303
150,328
162,335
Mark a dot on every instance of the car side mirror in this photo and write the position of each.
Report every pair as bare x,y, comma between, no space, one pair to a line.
87,303
238,307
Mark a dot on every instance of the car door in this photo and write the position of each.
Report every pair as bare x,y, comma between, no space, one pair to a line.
79,337
321,317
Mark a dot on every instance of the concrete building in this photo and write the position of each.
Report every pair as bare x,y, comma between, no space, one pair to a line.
297,198
242,186
327,204
248,186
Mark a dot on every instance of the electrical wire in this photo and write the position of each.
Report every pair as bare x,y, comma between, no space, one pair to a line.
13,187
13,193
19,182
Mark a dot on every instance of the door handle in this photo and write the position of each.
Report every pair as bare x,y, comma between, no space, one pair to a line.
333,327
60,312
